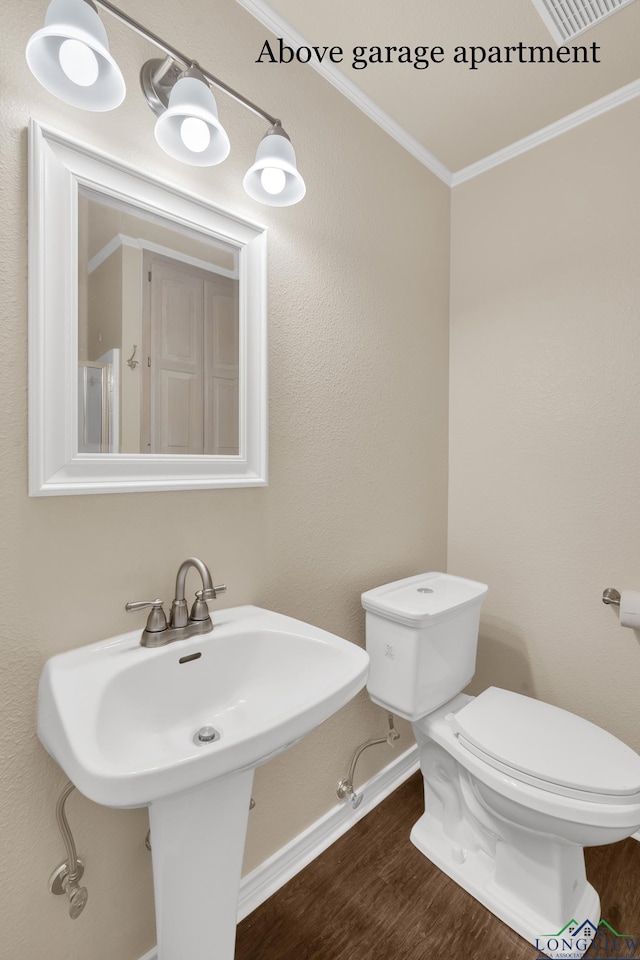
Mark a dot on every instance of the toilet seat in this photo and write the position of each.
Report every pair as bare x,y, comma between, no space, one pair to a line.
547,747
535,794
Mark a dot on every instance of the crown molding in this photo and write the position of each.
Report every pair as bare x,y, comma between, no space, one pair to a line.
281,28
261,10
556,129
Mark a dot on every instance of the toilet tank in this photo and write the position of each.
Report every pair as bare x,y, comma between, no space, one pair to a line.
422,637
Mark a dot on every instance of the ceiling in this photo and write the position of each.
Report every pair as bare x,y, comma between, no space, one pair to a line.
462,116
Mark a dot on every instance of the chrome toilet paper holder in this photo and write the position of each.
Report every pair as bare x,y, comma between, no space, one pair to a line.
628,604
611,596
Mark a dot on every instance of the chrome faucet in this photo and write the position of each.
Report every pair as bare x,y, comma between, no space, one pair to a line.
181,623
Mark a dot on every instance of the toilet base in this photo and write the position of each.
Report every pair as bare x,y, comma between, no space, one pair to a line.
474,871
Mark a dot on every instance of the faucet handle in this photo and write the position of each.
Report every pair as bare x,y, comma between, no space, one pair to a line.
210,593
200,610
156,621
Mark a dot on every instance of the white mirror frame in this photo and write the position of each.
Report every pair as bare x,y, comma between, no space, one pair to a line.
58,166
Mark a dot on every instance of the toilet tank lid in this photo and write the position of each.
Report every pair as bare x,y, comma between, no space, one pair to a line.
547,743
419,600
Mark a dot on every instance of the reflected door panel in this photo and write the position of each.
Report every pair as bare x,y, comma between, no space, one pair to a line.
177,372
193,376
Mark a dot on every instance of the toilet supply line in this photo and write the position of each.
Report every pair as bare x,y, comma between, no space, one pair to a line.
345,786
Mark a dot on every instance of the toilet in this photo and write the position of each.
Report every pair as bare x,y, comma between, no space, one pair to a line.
514,788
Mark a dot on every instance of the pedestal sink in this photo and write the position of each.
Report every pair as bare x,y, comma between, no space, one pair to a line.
181,728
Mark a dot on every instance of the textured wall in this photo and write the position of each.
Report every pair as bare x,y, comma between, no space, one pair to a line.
358,340
545,407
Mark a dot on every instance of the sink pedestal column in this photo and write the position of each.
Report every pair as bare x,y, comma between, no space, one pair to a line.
197,841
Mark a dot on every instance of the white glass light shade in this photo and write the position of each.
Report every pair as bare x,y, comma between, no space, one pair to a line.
70,57
275,153
192,99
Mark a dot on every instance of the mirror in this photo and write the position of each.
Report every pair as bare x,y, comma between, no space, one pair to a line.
147,327
158,332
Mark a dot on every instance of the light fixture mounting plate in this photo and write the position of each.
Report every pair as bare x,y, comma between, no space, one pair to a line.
157,85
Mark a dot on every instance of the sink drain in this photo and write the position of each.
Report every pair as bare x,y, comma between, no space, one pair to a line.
206,735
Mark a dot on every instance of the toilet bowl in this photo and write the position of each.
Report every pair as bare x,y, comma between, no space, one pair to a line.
514,788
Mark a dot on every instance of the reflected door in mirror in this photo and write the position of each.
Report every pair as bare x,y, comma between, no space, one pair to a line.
190,381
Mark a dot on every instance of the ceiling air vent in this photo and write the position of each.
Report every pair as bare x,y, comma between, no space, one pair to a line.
567,18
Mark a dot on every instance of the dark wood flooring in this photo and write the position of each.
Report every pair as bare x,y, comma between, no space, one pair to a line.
373,896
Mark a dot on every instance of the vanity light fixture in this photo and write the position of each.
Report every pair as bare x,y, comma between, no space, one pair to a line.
189,129
70,57
274,177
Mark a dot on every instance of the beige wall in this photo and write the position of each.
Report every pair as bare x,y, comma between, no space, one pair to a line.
104,319
545,416
358,346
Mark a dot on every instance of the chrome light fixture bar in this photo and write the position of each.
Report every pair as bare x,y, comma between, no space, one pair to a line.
70,57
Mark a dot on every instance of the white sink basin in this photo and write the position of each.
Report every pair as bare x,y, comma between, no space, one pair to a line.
120,719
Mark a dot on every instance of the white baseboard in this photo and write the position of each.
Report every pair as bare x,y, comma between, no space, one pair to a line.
266,879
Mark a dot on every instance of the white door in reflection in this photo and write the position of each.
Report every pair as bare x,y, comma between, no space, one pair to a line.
190,381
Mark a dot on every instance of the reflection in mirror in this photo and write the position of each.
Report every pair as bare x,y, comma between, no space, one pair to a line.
158,334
